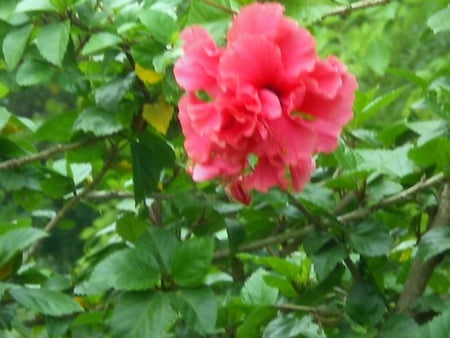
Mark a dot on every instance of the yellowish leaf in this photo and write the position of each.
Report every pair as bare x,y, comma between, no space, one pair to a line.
158,115
147,75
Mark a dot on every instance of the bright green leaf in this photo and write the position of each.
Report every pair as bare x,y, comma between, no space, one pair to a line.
34,5
191,261
52,41
256,292
4,117
434,152
16,240
44,301
160,25
14,45
369,239
100,41
255,321
438,327
142,315
434,242
440,21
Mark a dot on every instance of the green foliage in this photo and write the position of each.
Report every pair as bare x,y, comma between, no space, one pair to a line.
103,233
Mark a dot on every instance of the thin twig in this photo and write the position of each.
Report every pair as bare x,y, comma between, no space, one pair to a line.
403,196
45,154
74,200
341,10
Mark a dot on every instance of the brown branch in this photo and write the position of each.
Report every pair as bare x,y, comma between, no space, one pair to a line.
45,154
403,196
420,271
342,10
73,201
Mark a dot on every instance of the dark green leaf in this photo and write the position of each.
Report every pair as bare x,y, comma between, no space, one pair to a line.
130,226
109,96
33,72
399,326
14,44
98,121
326,259
142,315
56,128
434,242
256,292
438,327
255,321
159,243
150,154
16,240
44,301
369,239
56,185
364,304
198,308
123,270
52,41
191,261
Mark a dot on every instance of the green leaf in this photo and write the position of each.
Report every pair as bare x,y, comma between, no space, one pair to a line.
160,25
434,242
142,315
440,21
255,321
56,185
390,162
326,259
364,304
55,128
130,226
150,154
100,41
369,239
98,121
438,327
378,54
434,152
159,243
256,292
4,117
14,45
44,301
215,20
16,240
289,326
198,308
191,261
123,270
52,41
281,265
32,72
109,96
398,326
428,130
34,5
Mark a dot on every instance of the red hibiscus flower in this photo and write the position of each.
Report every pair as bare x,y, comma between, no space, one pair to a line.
257,110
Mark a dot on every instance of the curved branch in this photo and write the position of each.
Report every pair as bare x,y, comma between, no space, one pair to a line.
47,153
74,200
342,10
420,272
